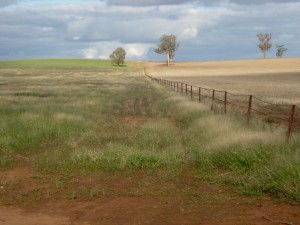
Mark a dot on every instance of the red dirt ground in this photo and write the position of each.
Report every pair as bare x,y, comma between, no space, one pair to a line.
132,198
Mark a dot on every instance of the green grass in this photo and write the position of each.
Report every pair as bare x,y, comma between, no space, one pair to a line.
78,119
59,63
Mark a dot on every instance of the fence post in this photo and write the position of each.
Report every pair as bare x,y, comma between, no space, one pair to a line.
199,94
181,88
213,100
225,102
249,108
186,89
177,87
192,92
291,122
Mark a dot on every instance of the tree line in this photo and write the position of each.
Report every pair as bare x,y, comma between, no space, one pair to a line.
168,45
265,45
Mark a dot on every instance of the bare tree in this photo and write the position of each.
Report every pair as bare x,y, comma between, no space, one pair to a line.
280,50
264,44
168,45
118,56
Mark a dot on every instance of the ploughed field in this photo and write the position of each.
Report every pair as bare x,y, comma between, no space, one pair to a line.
83,142
275,80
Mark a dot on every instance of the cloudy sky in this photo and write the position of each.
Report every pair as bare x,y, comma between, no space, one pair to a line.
206,29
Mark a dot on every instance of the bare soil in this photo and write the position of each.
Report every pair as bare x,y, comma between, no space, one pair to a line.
131,197
276,80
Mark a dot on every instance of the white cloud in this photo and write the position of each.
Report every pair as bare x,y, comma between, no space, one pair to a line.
189,33
76,38
91,53
137,51
102,50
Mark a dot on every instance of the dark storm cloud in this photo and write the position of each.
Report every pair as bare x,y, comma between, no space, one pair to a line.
4,3
177,2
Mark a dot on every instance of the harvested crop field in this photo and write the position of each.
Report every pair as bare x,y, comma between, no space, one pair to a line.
276,80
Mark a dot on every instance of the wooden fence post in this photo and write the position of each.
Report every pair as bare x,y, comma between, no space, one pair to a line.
186,89
181,88
192,92
249,108
199,94
213,100
291,122
225,102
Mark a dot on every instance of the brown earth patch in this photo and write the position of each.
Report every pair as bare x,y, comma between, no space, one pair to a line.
135,197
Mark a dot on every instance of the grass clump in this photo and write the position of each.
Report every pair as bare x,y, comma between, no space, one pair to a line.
241,159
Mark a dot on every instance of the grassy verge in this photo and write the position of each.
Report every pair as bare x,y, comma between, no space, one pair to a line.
115,120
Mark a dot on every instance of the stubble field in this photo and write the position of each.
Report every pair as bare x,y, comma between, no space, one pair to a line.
82,142
275,80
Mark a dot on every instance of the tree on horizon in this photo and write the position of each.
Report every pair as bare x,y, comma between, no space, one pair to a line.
280,50
264,44
118,56
168,45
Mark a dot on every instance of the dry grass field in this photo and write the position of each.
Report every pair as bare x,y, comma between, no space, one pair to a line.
276,80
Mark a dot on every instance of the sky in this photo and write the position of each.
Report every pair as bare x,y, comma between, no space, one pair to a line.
92,29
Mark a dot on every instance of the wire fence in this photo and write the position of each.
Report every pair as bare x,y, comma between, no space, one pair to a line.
248,105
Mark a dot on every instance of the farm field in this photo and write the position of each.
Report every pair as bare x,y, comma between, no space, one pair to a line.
82,142
275,80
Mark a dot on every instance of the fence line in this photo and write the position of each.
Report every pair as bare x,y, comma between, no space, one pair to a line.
250,106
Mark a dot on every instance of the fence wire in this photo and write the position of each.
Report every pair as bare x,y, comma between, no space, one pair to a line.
251,106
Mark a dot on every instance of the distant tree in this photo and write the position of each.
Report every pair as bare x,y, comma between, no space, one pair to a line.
280,50
264,42
168,45
118,56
